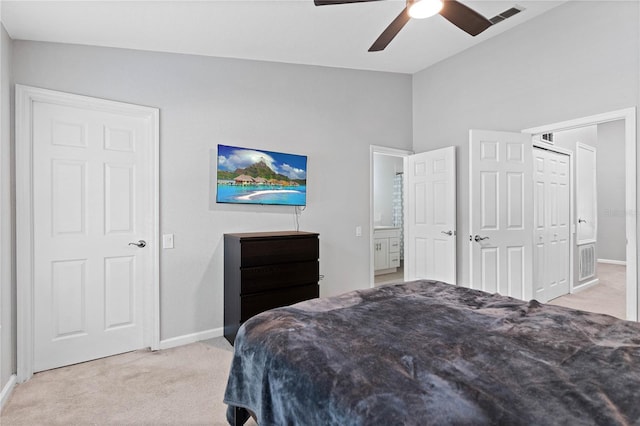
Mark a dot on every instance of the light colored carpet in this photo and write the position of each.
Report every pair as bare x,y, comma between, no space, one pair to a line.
178,386
606,297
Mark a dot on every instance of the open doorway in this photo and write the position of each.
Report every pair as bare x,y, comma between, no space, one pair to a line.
387,214
614,225
422,222
599,252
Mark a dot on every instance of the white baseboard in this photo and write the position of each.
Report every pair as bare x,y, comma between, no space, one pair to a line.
191,338
585,285
613,262
7,390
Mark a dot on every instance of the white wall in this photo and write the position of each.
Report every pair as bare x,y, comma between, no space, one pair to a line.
579,59
7,201
385,168
567,139
331,115
610,169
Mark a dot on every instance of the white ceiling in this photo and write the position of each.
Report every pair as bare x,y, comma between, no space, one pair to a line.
292,31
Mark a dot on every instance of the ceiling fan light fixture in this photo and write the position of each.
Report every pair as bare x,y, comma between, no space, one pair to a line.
420,9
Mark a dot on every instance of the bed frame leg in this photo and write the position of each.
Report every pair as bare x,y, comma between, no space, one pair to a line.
240,416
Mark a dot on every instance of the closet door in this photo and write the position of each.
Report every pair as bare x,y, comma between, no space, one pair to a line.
551,217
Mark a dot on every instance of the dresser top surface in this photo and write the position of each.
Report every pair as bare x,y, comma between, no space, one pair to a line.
272,234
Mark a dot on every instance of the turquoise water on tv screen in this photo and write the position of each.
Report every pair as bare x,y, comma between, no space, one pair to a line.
262,194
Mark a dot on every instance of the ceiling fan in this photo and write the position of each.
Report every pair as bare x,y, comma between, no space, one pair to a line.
455,12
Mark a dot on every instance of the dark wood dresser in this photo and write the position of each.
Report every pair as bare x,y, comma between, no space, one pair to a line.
266,270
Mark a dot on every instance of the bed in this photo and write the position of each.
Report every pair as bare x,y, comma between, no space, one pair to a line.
426,352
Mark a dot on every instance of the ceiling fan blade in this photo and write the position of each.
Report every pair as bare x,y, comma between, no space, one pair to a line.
391,31
330,2
464,17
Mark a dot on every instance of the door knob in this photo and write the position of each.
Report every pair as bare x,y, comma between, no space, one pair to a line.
449,233
478,238
581,220
139,244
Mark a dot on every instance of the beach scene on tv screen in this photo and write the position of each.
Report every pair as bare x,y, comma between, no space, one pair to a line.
253,176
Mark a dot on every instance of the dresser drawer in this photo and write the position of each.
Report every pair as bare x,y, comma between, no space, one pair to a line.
260,278
268,251
255,303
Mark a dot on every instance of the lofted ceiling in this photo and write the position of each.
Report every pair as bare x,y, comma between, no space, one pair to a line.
291,31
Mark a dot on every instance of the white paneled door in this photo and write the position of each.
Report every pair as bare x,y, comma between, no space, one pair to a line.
552,224
91,206
431,216
500,212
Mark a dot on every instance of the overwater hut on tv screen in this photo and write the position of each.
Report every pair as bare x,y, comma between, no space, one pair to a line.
254,176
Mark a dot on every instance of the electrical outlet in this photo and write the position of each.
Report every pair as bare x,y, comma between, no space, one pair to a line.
358,231
167,241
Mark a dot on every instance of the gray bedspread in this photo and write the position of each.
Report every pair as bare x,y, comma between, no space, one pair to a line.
428,353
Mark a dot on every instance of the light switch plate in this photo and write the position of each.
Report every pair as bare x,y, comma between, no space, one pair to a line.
167,241
358,231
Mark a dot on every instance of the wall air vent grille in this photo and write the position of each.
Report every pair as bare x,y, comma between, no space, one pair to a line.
506,14
587,266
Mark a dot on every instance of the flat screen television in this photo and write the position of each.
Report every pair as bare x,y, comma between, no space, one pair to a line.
252,176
